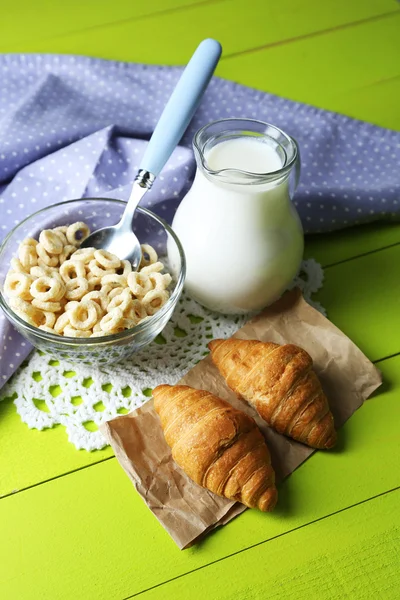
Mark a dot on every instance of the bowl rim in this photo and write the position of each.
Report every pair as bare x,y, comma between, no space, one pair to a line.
106,339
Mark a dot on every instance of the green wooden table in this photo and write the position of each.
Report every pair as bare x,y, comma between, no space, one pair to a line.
71,524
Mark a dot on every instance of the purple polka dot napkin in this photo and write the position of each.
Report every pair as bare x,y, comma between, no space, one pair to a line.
74,126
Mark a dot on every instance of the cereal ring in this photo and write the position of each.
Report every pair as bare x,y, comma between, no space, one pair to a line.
18,285
84,316
61,234
121,301
17,266
157,281
135,311
61,229
114,280
167,279
41,271
38,272
106,289
50,307
61,323
25,317
77,288
29,241
106,259
70,305
114,331
126,324
153,268
154,300
100,312
115,292
160,281
97,327
50,261
28,256
139,284
51,270
84,254
99,333
26,311
124,269
77,333
151,254
50,241
17,303
50,319
112,320
99,297
77,233
98,270
95,284
129,323
67,252
47,289
146,318
71,269
47,329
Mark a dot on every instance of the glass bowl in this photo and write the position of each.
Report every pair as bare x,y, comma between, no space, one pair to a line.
97,213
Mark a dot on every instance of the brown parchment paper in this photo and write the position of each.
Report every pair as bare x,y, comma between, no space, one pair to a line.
188,511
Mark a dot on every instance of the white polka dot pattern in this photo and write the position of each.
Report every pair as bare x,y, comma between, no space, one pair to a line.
76,126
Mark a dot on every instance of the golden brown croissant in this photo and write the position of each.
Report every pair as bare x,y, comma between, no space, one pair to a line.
218,446
281,385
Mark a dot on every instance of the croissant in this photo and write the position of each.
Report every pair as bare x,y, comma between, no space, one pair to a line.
218,446
281,385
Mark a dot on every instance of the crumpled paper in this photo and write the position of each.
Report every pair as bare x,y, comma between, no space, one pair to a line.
188,511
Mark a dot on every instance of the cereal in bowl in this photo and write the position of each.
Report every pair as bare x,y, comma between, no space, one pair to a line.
63,289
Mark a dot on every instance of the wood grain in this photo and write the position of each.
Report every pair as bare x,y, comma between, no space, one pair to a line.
376,99
362,299
331,248
332,67
130,40
29,456
27,22
348,555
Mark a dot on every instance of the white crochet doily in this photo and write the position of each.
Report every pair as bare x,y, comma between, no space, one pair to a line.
81,397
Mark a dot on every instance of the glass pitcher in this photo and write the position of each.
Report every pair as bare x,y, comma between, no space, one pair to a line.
241,234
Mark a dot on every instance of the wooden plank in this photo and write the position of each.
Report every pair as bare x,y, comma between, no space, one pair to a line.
332,67
26,21
379,97
362,297
270,23
106,544
353,554
354,293
330,248
29,456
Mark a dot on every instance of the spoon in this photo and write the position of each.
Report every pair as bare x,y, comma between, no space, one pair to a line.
120,239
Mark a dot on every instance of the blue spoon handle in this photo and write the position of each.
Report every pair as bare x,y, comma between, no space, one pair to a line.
181,106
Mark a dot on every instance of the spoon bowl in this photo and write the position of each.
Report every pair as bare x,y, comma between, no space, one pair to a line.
123,244
119,239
